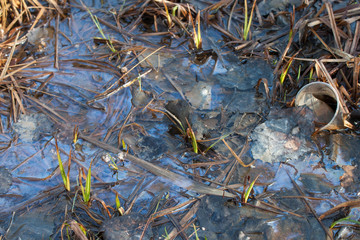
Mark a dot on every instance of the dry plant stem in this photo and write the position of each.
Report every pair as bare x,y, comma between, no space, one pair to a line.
7,64
356,78
78,233
310,207
159,171
351,204
108,92
236,156
333,25
56,56
332,83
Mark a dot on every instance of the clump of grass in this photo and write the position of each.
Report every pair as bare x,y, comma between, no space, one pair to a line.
196,31
85,191
247,21
65,177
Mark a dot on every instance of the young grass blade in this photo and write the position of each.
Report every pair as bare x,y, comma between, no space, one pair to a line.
81,175
118,205
168,17
76,133
68,173
221,138
345,219
196,234
286,69
199,39
62,170
196,34
247,23
191,134
88,185
248,191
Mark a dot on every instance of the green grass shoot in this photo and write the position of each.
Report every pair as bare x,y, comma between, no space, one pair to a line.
285,71
168,17
174,9
345,219
196,32
311,74
248,190
191,134
216,142
247,21
166,234
112,165
123,144
195,230
118,205
65,177
298,76
86,191
97,24
76,134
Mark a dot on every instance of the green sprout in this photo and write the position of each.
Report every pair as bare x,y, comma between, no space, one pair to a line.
311,74
168,17
197,33
118,205
345,219
247,22
112,165
216,142
65,177
174,9
248,191
86,191
196,235
298,76
285,71
97,23
191,134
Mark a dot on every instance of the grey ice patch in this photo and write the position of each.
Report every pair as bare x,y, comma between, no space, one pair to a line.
281,139
31,126
5,180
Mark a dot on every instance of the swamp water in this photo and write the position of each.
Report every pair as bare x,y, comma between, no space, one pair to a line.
218,99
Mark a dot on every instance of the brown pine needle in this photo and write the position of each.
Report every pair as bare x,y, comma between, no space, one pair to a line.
236,156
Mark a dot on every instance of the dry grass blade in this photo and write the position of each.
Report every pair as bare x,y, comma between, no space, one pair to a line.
236,156
108,92
332,83
355,41
333,25
44,106
266,86
356,78
7,64
75,226
56,6
351,204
